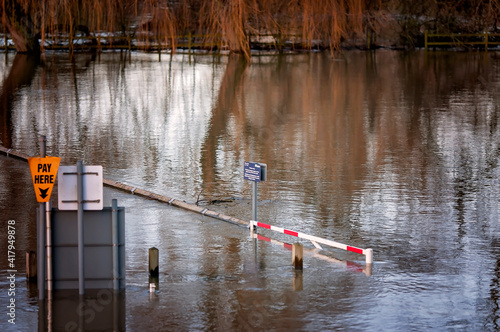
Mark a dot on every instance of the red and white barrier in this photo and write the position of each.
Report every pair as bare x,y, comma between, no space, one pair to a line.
315,240
349,265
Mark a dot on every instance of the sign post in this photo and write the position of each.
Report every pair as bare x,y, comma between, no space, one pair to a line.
40,229
43,173
81,257
255,172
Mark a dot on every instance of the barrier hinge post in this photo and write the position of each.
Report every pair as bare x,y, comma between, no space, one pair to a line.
369,255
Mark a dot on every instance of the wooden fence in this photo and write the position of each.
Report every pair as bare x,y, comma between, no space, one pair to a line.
462,40
189,42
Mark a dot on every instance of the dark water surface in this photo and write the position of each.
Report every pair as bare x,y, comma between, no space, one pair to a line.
392,151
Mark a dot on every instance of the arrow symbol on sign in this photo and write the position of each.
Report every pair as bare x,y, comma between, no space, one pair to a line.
43,192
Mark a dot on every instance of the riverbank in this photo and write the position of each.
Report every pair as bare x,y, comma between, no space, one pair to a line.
198,43
263,44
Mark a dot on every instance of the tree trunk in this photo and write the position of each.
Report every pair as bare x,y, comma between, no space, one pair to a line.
18,22
234,26
24,42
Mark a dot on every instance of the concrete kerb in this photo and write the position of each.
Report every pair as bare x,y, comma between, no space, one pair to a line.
147,194
175,202
14,154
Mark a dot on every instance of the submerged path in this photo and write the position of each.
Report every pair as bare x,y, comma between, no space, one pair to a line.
147,194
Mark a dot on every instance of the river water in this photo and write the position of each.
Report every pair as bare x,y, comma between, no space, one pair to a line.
398,152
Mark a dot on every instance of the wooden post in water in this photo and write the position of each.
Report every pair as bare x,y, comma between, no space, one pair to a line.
31,266
298,281
297,255
153,262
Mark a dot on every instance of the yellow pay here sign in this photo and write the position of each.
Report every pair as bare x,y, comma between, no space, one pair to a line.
43,173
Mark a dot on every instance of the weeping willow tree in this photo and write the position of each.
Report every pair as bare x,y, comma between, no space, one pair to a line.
230,23
28,21
226,22
459,16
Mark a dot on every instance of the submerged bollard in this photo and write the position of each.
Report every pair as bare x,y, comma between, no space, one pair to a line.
298,281
153,262
368,269
152,287
297,255
31,266
369,256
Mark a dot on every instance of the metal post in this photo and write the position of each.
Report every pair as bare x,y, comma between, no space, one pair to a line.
369,256
42,317
50,311
49,248
254,217
254,200
81,317
116,314
114,231
41,252
81,265
41,234
368,269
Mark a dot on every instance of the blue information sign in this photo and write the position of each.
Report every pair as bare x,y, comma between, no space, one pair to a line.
252,171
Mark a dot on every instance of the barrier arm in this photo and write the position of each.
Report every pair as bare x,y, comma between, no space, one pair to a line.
315,240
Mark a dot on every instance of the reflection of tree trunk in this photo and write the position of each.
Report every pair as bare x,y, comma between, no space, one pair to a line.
21,73
226,102
495,291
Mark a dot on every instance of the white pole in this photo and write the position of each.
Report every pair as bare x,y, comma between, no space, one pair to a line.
254,200
114,231
49,249
369,255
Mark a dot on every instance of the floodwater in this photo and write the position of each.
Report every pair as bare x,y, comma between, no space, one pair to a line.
398,152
